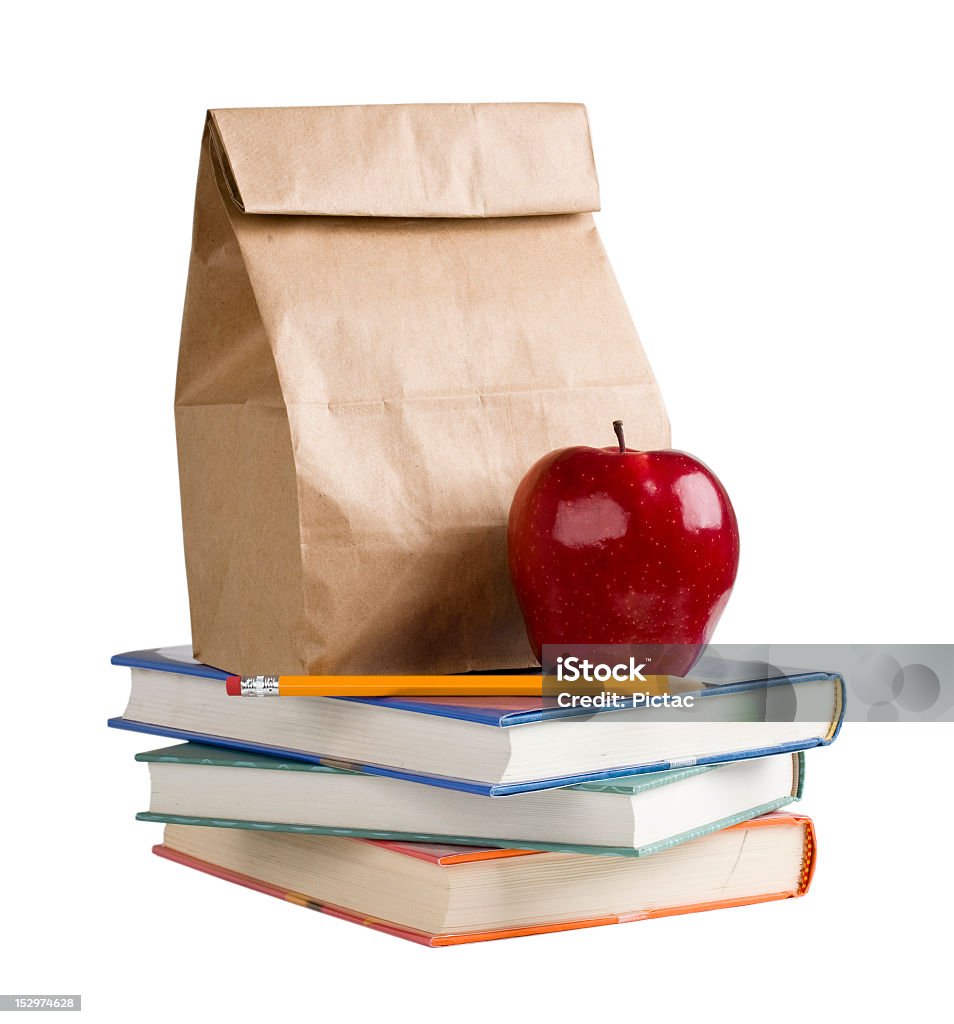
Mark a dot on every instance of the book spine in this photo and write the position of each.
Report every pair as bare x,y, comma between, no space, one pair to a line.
798,774
809,857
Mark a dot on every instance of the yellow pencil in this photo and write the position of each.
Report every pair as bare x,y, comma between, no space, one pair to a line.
385,686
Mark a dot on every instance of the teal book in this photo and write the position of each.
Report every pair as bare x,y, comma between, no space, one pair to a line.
196,784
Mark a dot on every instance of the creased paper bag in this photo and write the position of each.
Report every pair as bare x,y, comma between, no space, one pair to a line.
391,313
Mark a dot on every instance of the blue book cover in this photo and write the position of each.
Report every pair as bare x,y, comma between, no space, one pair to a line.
714,679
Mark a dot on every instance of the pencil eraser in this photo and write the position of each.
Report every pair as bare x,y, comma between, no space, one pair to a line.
233,686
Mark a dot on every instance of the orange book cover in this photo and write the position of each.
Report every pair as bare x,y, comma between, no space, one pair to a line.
449,856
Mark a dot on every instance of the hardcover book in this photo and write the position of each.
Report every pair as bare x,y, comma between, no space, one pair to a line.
446,895
491,746
194,784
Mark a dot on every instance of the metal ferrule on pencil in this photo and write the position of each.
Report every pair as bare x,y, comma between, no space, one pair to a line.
258,686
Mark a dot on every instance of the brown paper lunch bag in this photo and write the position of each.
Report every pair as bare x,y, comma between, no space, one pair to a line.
391,313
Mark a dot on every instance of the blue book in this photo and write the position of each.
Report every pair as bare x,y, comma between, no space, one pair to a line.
488,745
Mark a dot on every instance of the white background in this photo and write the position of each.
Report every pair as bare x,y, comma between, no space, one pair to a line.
777,204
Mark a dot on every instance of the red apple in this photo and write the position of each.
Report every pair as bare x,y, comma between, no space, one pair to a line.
616,546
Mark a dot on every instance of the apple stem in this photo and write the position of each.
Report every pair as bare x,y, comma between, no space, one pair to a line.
618,427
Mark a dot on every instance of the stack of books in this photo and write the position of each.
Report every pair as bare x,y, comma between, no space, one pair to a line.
452,820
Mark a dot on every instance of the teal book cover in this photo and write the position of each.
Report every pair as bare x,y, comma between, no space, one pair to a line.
699,789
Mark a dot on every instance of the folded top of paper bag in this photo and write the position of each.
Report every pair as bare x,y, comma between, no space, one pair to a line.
417,160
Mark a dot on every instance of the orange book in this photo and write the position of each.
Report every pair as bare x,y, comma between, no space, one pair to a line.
503,893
